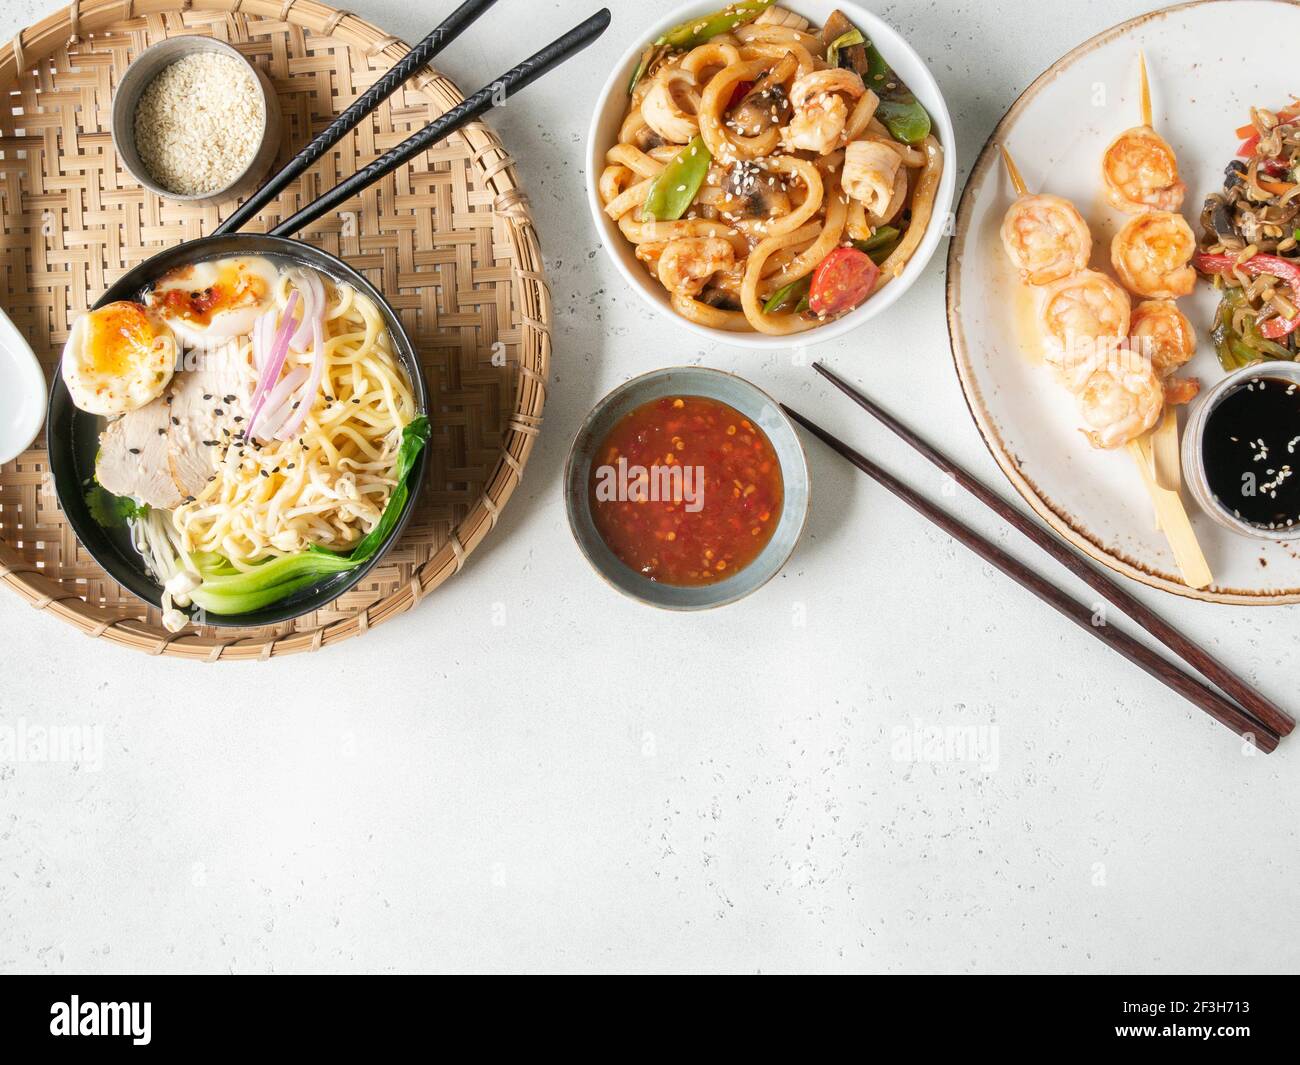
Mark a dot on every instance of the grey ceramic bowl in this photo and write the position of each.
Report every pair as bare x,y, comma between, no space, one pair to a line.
754,404
147,66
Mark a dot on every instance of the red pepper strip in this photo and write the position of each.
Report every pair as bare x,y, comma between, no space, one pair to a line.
1247,130
1282,269
1248,146
1276,328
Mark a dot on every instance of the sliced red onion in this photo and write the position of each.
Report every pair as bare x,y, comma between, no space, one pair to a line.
313,308
307,397
280,400
263,338
275,360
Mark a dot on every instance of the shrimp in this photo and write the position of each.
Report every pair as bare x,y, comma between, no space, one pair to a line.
1141,172
1161,332
1046,238
1121,399
820,113
686,264
1083,316
1179,390
1152,255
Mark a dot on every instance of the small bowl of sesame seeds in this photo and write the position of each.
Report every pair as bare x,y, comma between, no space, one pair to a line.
193,120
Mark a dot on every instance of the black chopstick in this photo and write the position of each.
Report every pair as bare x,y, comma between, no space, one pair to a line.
447,31
491,95
1268,713
1184,684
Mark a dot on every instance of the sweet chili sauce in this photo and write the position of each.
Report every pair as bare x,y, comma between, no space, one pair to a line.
1249,448
686,490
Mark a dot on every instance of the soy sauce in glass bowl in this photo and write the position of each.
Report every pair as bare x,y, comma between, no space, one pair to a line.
1242,451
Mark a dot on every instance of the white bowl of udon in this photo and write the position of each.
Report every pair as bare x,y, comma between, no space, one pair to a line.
819,203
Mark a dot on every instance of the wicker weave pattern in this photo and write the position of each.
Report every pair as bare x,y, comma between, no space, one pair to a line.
448,239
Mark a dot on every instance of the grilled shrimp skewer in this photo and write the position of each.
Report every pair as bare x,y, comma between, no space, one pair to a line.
1152,255
1045,236
1139,168
1086,318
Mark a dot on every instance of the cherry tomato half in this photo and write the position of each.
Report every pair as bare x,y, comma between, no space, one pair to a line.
843,280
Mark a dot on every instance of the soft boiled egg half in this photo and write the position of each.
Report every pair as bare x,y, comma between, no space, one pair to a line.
209,303
117,358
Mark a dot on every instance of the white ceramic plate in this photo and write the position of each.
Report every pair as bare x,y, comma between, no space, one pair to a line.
22,392
1206,71
897,52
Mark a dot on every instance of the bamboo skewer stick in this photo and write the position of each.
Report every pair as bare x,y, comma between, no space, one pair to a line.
1146,91
1167,464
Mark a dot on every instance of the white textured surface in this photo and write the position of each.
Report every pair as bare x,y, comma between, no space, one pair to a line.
572,781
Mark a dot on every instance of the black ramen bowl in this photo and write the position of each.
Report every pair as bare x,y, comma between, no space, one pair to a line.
72,435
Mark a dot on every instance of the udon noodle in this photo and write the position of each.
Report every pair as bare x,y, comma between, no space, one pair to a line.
747,161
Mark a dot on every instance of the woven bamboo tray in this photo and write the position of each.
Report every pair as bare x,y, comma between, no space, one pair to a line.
448,239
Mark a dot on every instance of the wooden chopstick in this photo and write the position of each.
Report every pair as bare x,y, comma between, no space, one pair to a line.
1170,675
419,56
491,95
1264,710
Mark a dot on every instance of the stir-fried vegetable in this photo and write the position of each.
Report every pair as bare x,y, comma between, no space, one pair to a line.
698,30
880,245
1284,270
673,191
1235,349
795,293
899,110
227,591
847,39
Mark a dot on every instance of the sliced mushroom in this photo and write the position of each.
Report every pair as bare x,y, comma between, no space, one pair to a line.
647,139
855,56
754,193
1216,218
767,103
721,298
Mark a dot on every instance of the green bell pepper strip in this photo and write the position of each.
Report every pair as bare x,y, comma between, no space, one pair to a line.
1239,349
674,190
698,30
880,244
902,115
795,292
907,122
228,591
